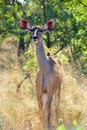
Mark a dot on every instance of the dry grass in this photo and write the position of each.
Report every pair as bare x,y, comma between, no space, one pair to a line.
19,110
74,98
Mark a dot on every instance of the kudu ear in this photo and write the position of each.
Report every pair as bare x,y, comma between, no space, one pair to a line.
49,25
24,24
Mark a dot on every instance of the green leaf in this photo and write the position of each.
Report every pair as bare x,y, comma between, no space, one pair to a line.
75,123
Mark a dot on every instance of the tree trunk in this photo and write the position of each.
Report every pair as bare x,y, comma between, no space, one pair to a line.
45,19
48,40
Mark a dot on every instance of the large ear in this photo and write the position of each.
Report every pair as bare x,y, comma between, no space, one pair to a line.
24,24
49,25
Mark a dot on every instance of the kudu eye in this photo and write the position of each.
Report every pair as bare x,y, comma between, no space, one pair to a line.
32,31
41,30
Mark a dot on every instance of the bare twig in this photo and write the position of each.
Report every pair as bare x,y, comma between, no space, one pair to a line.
19,85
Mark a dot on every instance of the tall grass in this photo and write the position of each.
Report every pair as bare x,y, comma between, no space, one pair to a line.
19,110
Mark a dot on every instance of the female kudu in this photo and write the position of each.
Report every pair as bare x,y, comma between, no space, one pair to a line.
49,76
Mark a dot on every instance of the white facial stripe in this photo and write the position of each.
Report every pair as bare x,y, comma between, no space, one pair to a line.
35,33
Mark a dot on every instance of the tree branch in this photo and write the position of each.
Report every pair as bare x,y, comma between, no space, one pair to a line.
10,31
83,3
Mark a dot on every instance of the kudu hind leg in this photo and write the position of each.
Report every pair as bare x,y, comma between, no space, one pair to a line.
57,105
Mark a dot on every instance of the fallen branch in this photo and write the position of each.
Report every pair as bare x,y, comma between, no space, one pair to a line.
19,85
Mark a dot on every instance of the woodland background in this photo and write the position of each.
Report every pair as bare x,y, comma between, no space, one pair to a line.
67,42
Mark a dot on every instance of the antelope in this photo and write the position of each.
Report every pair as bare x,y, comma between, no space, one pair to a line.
49,77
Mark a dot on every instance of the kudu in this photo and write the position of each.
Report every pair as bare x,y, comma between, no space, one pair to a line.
49,76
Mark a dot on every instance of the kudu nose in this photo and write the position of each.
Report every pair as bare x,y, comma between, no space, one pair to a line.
35,38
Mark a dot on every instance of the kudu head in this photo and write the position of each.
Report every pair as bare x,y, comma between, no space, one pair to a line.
37,31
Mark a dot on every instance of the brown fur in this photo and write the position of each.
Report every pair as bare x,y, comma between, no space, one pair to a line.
55,81
49,83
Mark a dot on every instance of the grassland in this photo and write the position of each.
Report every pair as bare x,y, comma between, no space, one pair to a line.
19,109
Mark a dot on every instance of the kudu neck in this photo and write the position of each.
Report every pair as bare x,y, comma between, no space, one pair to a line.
42,58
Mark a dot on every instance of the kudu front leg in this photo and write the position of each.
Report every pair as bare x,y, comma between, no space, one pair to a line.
43,109
46,110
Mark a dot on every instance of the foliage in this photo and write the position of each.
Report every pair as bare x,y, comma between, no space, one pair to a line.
31,64
71,24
